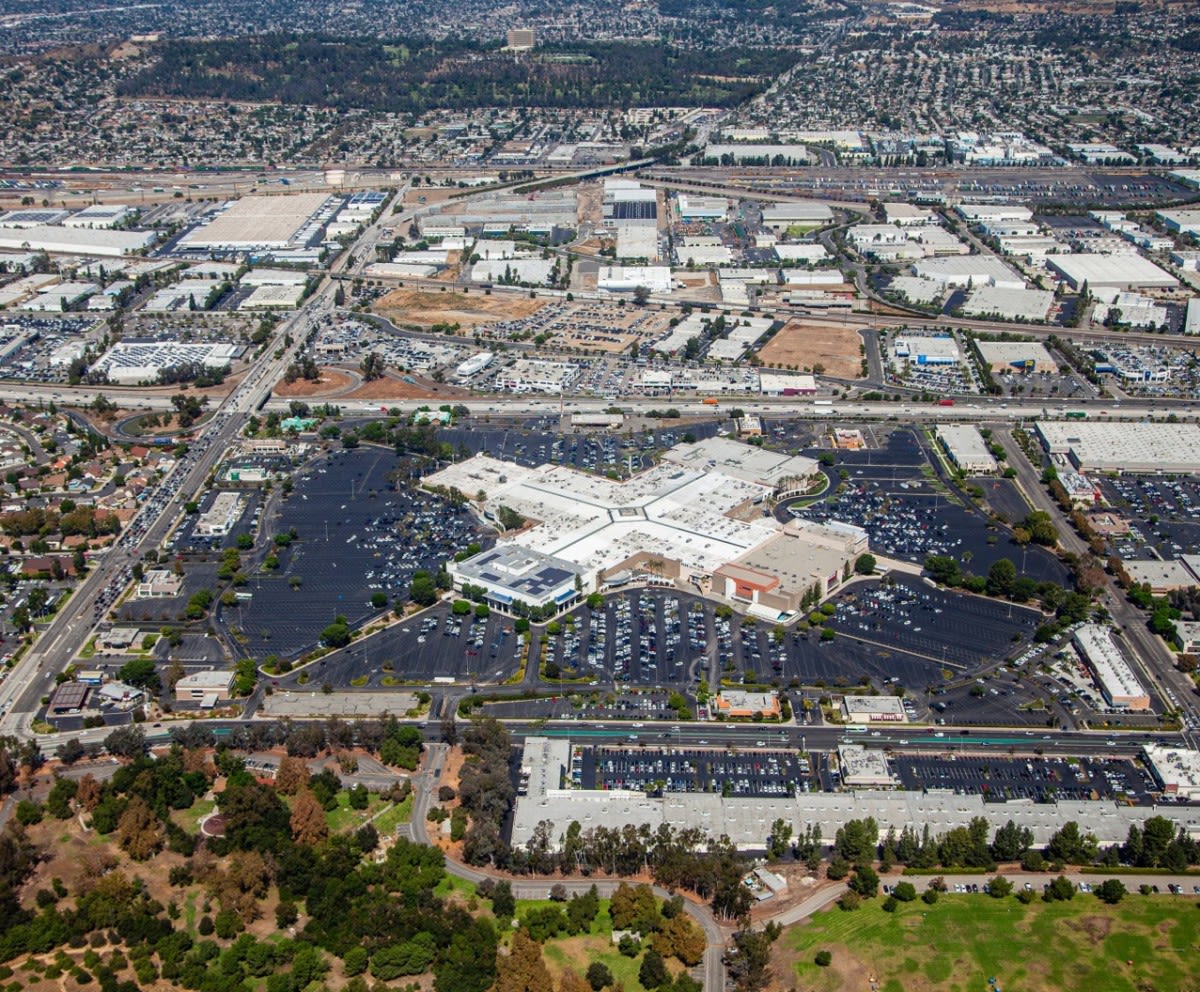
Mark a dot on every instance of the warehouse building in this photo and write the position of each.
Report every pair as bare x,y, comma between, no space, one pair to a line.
99,215
873,709
968,270
1191,322
1120,272
32,218
1027,305
746,821
1111,671
1019,356
965,447
799,215
262,223
626,279
979,213
75,241
702,208
132,362
1150,448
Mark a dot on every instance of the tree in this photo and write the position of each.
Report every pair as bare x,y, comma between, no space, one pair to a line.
523,970
141,672
308,822
865,564
71,751
504,905
1071,846
1000,887
598,976
865,881
469,963
1001,577
905,891
1060,889
1011,842
682,939
749,967
291,776
139,831
823,959
372,366
126,742
653,971
1111,891
413,957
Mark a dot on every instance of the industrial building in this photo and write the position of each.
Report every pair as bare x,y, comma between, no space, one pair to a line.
928,349
968,270
1018,356
746,821
873,709
75,241
1027,305
978,213
1119,447
965,447
796,215
626,279
1110,669
1120,272
140,361
261,223
33,217
473,365
99,215
779,384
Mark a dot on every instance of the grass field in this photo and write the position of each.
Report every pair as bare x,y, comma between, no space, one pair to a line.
387,821
344,817
1145,944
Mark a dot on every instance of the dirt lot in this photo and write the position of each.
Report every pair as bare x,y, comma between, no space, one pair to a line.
415,306
803,345
331,381
406,388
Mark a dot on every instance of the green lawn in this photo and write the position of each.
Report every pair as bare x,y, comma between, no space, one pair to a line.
343,817
189,819
387,822
962,941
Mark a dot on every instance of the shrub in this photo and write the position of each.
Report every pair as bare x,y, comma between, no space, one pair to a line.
823,959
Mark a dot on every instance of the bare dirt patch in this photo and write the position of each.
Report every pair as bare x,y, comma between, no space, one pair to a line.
805,345
331,381
406,388
1096,928
415,306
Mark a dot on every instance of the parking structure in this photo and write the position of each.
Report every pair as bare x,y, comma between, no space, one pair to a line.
359,532
1035,778
656,770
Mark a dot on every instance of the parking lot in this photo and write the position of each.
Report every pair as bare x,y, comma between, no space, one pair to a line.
958,630
890,493
1164,511
540,445
656,770
357,535
433,645
1040,779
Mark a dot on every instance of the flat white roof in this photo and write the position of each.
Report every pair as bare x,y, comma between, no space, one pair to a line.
1025,304
1013,352
257,221
1112,670
1117,271
1135,447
